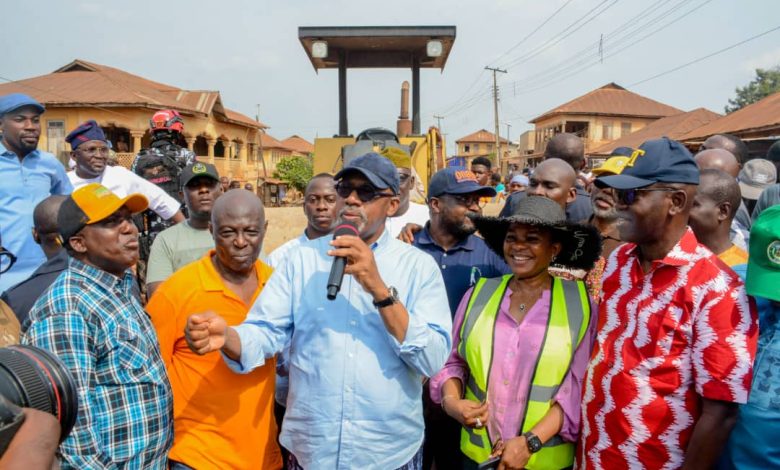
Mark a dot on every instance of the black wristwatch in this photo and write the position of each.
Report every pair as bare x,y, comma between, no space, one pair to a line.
393,298
534,443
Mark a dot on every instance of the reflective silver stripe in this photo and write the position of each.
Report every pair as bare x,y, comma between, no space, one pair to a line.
542,393
556,440
486,291
474,388
574,310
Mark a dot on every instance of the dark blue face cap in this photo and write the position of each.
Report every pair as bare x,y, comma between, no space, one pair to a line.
656,161
457,181
15,101
379,171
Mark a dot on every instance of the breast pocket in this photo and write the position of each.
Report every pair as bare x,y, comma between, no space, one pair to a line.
131,349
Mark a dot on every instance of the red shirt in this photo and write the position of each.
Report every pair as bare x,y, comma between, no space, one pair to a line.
683,330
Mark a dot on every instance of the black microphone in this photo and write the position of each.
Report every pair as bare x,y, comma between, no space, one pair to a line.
339,262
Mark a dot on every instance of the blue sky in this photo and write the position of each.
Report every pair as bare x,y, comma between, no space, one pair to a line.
249,51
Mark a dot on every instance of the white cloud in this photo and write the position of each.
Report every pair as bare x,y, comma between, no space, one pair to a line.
763,61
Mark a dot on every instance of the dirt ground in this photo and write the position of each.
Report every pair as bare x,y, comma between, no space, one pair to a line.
286,223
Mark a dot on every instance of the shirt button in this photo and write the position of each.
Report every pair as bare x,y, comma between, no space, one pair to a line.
443,266
445,255
351,355
353,322
506,382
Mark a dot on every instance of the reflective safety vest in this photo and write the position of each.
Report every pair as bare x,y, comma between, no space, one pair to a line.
566,326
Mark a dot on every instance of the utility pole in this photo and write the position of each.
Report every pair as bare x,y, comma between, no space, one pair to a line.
495,113
438,121
507,132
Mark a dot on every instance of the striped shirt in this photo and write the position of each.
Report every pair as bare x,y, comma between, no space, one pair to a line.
92,322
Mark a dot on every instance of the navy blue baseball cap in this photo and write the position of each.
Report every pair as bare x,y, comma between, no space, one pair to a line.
86,131
379,171
457,181
655,161
15,101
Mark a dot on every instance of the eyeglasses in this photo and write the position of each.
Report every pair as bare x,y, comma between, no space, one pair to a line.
7,259
469,201
366,192
94,150
628,196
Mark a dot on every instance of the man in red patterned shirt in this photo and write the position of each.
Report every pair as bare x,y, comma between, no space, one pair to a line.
676,333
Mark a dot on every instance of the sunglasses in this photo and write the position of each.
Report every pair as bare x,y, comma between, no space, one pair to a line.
628,196
366,192
7,259
469,201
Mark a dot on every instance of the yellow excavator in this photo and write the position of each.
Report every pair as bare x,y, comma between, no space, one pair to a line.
413,47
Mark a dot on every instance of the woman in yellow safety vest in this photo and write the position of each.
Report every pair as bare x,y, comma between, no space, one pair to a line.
521,343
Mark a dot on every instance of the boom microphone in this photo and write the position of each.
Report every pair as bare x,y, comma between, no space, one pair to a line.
339,262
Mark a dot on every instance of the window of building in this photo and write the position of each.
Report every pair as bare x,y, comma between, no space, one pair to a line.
55,137
466,148
476,148
606,131
625,129
489,148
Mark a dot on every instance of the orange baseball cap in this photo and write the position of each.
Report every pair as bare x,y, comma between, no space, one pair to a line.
92,203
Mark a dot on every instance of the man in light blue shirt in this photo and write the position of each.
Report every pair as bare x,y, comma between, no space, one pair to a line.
357,363
27,176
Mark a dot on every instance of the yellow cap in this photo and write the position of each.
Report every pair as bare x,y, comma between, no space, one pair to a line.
400,158
613,166
98,202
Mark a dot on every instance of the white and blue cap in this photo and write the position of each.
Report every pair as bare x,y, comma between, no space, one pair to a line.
379,171
655,161
15,101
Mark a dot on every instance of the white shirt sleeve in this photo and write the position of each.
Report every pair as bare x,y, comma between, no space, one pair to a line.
159,201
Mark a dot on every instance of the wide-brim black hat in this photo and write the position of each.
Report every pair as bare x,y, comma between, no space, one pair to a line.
580,243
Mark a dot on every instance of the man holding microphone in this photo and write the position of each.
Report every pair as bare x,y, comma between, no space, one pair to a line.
357,362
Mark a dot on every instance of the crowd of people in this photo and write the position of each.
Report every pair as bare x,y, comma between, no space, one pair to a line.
622,316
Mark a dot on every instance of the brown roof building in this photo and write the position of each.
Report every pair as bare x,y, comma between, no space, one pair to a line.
123,103
600,116
298,145
673,127
758,120
478,144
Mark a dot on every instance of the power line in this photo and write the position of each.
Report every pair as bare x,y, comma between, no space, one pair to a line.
687,64
534,31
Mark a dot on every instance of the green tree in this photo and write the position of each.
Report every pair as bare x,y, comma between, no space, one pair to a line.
295,171
767,82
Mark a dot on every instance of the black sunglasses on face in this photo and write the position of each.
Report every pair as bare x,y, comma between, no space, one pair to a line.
7,259
366,192
468,201
628,196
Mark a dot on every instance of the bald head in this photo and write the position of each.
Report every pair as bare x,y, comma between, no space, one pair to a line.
554,179
719,187
238,227
718,159
567,147
237,202
729,143
45,224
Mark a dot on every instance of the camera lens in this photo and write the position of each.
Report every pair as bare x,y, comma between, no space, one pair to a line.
31,377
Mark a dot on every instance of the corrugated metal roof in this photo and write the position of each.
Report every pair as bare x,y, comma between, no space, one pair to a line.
83,83
673,127
480,136
612,100
761,115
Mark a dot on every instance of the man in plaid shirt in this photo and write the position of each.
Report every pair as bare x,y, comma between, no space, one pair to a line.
93,322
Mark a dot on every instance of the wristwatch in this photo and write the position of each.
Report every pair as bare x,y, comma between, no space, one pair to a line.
534,443
393,298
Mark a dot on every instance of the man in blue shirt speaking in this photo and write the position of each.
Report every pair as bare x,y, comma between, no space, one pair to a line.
27,176
356,363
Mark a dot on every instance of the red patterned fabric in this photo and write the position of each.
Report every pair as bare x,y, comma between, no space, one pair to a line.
683,330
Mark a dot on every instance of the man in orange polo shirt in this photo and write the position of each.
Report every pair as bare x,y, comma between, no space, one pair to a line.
221,419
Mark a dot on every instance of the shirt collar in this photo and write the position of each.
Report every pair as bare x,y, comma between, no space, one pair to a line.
468,244
680,254
7,153
58,262
105,279
212,282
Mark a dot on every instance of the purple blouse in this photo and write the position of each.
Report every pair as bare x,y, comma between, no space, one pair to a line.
515,349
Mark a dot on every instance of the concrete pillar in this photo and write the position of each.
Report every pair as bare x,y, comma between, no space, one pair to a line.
190,143
228,146
137,135
211,143
243,155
